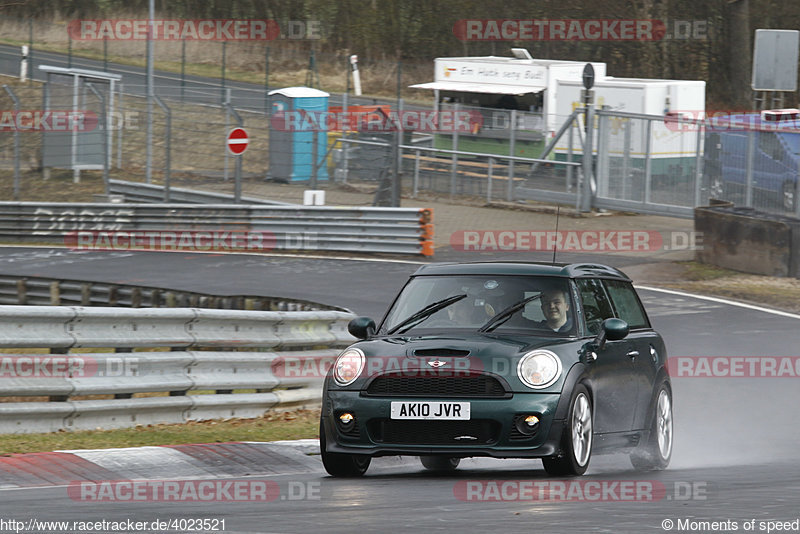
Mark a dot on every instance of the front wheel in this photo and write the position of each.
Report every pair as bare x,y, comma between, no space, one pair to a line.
655,454
338,464
439,463
576,443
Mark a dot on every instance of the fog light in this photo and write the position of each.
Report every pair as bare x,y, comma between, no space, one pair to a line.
527,424
346,421
531,420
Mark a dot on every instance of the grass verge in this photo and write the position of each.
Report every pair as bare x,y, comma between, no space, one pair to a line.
297,424
781,293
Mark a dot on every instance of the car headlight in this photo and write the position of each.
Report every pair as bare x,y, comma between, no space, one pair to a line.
348,366
539,369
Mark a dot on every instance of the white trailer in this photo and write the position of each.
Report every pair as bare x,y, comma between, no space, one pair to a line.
670,142
490,83
484,81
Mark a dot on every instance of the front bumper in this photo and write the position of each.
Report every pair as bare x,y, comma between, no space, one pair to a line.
376,434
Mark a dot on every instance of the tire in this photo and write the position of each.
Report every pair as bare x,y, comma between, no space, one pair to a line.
439,463
577,440
338,464
657,452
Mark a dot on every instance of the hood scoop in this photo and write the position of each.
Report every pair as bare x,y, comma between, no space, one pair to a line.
441,353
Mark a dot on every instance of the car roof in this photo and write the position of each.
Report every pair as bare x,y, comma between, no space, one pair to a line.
530,268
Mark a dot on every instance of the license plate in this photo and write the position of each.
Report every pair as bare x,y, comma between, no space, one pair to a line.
430,410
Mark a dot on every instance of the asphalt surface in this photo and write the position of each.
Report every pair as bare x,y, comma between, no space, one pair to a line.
735,446
168,85
365,287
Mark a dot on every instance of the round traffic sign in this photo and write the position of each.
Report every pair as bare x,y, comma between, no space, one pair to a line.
237,141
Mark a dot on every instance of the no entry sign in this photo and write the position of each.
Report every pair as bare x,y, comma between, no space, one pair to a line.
237,141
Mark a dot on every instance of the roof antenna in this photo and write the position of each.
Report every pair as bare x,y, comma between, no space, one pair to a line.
555,241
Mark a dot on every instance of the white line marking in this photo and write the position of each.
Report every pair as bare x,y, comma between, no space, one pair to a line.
721,301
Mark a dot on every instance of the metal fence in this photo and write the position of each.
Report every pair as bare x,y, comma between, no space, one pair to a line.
642,163
220,227
40,291
204,374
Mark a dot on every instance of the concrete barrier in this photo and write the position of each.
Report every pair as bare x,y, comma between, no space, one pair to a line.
745,240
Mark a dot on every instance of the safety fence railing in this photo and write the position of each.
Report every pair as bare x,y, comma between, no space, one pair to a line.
220,227
151,193
116,367
39,291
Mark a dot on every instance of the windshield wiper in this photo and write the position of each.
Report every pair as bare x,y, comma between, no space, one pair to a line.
506,314
425,312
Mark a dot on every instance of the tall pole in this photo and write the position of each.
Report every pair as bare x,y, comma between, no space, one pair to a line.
149,141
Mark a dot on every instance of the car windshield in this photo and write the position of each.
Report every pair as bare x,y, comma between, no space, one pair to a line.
548,312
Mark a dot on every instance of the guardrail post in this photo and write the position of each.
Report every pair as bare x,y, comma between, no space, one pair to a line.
55,294
113,295
136,297
86,294
155,298
22,294
169,299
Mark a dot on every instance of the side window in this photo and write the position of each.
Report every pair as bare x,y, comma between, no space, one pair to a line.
627,304
596,307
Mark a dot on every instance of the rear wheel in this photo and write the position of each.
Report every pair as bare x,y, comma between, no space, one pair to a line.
656,453
576,443
338,464
439,463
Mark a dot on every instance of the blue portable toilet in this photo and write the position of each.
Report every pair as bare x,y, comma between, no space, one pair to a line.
292,133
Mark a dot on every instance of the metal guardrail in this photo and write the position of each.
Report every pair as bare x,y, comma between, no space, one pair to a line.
315,228
289,352
38,291
150,193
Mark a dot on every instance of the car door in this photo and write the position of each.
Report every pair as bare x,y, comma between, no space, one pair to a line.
611,374
644,345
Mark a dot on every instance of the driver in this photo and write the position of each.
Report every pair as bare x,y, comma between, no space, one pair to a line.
555,307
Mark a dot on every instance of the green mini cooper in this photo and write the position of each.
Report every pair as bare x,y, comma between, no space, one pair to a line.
502,359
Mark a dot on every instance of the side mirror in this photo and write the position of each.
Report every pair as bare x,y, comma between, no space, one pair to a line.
613,330
361,327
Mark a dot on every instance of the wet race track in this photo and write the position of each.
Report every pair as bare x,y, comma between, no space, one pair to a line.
734,460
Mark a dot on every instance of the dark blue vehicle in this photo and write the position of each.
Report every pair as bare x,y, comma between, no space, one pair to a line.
774,160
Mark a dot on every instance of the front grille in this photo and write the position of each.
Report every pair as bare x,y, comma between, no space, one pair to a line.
441,353
484,432
433,385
